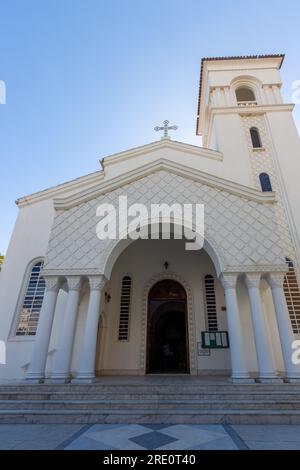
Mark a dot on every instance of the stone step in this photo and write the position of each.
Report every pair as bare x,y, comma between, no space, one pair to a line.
96,388
257,395
188,416
178,404
150,401
149,388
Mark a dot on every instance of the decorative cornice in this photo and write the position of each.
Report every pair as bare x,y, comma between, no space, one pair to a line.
248,110
263,268
175,168
228,271
65,272
61,189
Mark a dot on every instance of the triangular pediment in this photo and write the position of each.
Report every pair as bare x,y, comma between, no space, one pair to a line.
123,162
240,222
158,146
131,176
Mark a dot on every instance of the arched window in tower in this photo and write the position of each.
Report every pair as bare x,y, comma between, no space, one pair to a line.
255,138
32,301
125,309
292,295
265,182
210,300
245,95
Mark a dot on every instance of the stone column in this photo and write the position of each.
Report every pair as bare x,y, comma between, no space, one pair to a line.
227,96
268,94
267,372
217,95
277,94
64,354
88,353
286,334
36,370
238,359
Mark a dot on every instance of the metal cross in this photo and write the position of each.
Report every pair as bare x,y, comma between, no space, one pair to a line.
166,128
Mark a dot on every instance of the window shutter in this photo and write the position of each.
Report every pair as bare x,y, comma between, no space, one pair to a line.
292,295
211,307
125,309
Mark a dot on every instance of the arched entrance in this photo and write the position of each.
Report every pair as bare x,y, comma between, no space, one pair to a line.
167,332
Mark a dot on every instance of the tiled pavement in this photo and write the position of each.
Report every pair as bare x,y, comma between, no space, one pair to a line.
152,436
148,436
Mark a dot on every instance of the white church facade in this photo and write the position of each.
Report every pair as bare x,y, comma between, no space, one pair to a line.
75,307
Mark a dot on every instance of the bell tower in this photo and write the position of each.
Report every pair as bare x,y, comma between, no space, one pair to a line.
242,115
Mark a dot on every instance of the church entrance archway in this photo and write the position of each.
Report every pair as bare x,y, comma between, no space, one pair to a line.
167,332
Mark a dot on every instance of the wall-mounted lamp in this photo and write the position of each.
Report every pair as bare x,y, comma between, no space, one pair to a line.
107,297
166,264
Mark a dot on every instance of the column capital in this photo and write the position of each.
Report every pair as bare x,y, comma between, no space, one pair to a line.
97,282
53,283
275,280
252,279
74,282
229,280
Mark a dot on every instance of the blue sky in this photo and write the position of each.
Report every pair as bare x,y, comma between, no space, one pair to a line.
87,78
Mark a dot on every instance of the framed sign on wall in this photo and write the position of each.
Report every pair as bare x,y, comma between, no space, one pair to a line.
215,339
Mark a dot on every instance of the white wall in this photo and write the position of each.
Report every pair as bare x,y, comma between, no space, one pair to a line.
231,141
286,142
29,240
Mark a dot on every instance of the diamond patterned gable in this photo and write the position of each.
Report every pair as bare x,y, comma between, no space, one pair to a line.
244,232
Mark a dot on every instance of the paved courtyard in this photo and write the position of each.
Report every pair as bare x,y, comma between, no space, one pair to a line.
148,436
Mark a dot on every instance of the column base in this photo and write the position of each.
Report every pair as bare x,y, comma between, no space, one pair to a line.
84,379
293,379
60,377
268,380
241,380
59,380
34,379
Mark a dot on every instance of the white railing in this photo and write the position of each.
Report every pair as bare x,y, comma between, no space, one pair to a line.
247,103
